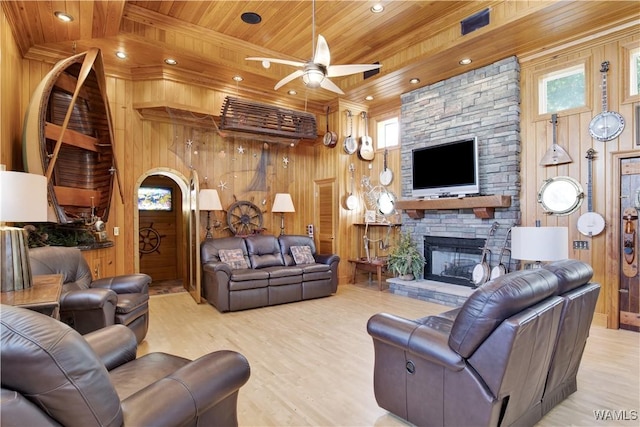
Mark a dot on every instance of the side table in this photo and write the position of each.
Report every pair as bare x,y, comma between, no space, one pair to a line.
43,296
377,265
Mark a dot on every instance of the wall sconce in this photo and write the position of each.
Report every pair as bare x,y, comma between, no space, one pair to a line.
209,201
281,204
23,198
540,244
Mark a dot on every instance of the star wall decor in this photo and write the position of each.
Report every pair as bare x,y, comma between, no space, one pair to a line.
241,149
222,186
285,161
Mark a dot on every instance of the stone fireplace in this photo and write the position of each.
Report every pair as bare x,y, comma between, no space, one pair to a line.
482,103
451,259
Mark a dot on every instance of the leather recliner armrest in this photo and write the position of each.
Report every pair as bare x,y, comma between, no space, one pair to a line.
326,258
87,299
428,343
189,392
115,345
124,284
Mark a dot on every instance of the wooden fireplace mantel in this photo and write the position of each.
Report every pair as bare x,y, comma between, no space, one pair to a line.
483,206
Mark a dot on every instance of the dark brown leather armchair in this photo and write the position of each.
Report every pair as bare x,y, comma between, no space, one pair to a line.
87,304
486,366
53,376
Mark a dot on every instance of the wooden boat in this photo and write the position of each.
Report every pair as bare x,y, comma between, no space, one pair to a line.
68,137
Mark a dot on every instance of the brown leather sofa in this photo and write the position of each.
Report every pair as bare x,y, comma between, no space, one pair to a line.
87,304
514,344
53,376
264,271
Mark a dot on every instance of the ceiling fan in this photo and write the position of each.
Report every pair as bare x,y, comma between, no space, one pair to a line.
316,72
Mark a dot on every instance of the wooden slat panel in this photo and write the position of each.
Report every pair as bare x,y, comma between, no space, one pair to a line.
71,137
69,196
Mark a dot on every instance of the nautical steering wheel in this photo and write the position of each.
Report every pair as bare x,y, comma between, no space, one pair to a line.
244,218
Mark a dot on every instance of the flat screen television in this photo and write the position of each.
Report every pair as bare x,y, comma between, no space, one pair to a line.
449,169
155,199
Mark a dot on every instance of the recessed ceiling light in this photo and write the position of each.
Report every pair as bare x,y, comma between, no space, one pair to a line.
120,54
414,81
238,78
368,98
63,16
251,18
377,8
170,61
292,92
464,61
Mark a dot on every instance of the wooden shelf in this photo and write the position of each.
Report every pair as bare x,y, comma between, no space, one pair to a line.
483,206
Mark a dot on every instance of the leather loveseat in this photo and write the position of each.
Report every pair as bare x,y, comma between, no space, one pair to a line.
259,270
87,304
53,376
506,357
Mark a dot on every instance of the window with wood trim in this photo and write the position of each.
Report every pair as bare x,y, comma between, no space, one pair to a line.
388,135
563,89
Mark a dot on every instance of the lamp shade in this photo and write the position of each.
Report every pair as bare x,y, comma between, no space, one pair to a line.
283,203
23,197
209,200
540,243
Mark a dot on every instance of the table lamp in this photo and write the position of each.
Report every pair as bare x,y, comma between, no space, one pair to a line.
209,201
540,244
281,204
23,198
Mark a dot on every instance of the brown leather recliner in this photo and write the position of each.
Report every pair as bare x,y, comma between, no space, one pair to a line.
53,376
485,367
87,304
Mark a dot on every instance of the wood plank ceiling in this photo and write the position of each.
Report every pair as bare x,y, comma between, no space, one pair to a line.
209,40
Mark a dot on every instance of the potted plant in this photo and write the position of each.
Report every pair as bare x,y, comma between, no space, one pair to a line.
405,261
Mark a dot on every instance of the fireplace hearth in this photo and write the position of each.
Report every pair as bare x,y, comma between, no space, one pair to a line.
451,259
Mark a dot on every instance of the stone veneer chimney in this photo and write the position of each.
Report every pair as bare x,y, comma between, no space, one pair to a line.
484,103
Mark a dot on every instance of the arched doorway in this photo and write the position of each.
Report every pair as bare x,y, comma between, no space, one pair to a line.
163,228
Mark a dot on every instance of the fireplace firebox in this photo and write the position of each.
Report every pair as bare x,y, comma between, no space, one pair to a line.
451,259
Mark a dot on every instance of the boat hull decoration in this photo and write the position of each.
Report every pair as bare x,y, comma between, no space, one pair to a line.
68,137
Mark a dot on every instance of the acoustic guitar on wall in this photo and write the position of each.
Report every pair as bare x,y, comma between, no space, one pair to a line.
366,143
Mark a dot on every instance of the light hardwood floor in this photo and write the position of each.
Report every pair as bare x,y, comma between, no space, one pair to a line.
312,361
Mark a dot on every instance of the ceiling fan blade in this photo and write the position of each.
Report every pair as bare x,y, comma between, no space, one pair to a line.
329,85
322,55
276,61
345,70
287,79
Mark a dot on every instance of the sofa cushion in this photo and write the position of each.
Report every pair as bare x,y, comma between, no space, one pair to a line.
571,273
495,301
302,255
286,241
263,250
234,258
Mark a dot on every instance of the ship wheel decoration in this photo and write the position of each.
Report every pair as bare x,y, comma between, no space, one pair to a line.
149,240
244,218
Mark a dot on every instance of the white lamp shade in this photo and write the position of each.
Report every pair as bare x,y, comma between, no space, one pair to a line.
23,197
209,200
283,203
540,243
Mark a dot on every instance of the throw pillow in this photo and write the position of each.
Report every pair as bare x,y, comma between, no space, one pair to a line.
302,255
233,258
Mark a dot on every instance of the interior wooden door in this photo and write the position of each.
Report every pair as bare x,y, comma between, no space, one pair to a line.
159,229
325,215
629,291
194,238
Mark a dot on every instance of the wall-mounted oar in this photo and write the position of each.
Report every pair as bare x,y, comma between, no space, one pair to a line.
87,64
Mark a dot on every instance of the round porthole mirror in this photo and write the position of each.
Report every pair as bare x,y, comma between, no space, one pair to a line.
561,195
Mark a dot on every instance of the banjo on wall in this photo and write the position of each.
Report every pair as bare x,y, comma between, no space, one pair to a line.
590,223
608,124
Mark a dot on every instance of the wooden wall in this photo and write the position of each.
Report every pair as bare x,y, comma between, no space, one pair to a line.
573,135
144,146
